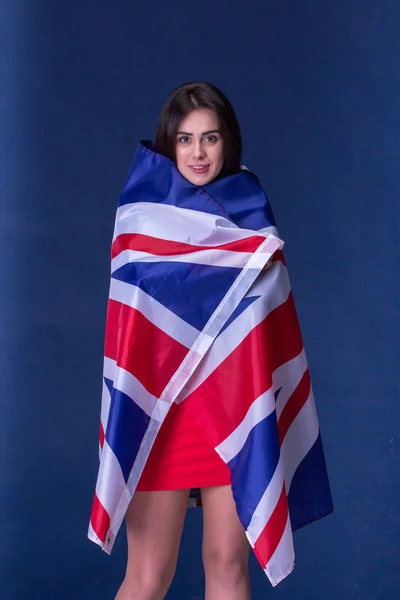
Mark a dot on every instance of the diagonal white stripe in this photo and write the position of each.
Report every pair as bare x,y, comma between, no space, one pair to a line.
266,506
261,408
154,311
281,562
127,383
276,281
300,438
286,378
123,499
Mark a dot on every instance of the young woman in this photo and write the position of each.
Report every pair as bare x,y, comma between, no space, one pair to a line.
199,131
206,383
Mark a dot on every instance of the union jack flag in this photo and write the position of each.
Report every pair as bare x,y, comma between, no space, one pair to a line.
194,316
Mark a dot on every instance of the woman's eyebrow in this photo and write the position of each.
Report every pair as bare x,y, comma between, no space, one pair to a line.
204,132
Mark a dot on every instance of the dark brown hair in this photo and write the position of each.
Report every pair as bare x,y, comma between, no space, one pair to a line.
189,97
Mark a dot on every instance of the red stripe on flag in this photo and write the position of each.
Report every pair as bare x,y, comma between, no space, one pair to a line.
141,348
230,390
271,535
159,247
101,435
293,406
99,519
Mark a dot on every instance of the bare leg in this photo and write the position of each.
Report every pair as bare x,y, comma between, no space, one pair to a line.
225,547
154,523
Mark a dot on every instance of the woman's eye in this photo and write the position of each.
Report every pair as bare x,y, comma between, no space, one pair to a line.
211,139
184,139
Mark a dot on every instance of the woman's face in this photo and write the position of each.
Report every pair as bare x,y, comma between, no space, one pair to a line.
199,147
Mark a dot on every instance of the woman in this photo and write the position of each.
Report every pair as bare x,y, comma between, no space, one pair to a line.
198,129
194,174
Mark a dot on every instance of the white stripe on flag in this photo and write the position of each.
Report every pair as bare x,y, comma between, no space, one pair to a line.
105,409
277,281
127,383
281,562
286,378
122,495
266,506
110,482
168,222
105,405
213,258
154,311
260,409
300,438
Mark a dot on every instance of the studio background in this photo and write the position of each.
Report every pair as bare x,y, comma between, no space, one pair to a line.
316,86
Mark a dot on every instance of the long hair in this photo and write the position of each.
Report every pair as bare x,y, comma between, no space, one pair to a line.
191,96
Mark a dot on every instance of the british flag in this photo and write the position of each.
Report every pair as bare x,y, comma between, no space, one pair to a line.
194,315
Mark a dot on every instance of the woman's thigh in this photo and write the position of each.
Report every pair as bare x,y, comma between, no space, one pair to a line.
224,539
154,522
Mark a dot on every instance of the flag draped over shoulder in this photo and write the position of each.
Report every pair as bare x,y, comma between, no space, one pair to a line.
194,316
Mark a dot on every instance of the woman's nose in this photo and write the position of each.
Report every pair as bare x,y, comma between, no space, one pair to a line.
198,150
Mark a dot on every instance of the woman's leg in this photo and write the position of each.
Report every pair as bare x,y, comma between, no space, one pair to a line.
225,547
154,523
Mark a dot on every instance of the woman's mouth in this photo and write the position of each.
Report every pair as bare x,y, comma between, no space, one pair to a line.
199,169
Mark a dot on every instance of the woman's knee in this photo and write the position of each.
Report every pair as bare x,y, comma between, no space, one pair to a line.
147,583
226,565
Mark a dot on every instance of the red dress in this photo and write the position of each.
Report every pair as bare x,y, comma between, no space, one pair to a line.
182,457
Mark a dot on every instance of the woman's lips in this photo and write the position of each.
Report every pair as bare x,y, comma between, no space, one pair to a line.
200,169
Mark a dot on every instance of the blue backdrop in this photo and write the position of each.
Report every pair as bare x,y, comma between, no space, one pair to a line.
316,86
